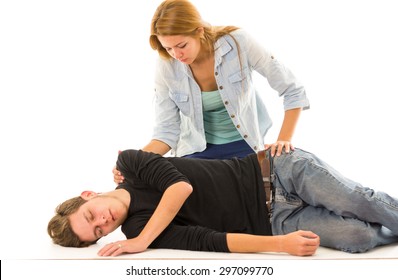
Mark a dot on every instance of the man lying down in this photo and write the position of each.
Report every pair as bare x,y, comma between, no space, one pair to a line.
221,206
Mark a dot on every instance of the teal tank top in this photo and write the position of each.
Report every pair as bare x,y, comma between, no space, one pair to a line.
219,128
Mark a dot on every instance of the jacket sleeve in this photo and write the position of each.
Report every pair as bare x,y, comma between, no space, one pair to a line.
148,168
167,114
279,77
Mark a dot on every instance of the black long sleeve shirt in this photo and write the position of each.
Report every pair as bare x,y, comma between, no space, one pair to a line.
228,197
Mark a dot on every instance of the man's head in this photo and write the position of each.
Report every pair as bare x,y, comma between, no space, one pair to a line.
59,227
81,221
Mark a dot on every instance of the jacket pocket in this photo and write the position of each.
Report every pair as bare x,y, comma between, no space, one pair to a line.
182,102
240,80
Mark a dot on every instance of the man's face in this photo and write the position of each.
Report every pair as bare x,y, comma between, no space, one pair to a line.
99,216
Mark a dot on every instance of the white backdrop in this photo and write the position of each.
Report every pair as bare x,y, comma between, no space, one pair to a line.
76,87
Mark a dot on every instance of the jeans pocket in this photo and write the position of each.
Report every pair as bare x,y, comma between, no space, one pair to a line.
283,196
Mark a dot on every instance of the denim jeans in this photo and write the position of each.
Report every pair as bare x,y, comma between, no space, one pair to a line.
311,195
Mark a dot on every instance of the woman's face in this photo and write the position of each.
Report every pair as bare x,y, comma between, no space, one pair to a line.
183,48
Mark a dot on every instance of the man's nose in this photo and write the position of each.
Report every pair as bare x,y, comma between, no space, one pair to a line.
102,220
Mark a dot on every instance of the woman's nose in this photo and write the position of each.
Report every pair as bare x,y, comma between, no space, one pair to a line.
177,54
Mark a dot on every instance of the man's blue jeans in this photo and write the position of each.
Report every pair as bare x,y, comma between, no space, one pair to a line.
311,195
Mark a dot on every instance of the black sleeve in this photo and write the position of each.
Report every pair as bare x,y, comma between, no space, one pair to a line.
182,237
148,168
194,238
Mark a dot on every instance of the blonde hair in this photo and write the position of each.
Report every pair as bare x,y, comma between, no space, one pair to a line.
180,17
59,227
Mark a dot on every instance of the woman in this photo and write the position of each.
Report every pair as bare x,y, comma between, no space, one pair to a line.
205,102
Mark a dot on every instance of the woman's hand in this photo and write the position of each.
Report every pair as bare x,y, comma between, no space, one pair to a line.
114,249
117,176
278,147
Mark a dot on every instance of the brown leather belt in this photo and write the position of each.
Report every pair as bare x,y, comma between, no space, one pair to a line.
265,167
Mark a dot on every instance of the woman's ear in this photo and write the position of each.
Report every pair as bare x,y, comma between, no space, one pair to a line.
88,194
200,31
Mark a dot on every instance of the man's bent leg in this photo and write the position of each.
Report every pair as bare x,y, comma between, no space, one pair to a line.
305,177
345,234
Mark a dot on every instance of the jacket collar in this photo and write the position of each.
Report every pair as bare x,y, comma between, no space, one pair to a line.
222,47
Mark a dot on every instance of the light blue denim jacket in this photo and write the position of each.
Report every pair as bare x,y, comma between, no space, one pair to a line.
178,103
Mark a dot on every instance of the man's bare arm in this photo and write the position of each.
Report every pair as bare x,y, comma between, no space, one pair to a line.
298,243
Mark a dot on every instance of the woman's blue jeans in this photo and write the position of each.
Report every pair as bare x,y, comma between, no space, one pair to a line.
311,195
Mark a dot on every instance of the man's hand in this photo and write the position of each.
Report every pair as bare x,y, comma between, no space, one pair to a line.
114,249
300,243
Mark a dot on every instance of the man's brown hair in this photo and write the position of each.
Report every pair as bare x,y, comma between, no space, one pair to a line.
59,227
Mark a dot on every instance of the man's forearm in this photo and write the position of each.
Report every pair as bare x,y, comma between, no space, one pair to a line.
298,243
247,243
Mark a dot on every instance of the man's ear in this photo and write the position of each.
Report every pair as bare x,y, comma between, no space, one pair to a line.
88,194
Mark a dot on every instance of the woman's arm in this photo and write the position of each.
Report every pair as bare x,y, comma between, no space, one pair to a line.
286,133
298,243
283,81
157,147
289,124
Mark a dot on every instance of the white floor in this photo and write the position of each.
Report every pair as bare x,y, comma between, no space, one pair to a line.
51,251
37,257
